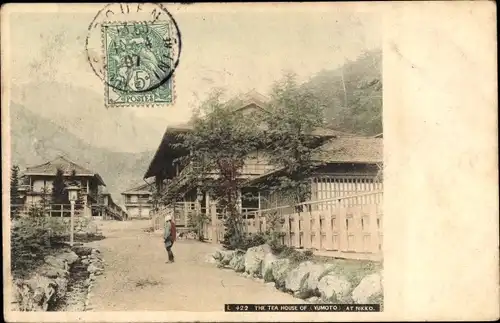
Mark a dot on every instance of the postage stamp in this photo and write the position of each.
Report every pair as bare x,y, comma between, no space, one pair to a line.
134,49
139,61
300,174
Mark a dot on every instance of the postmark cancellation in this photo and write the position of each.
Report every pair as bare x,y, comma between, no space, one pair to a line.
139,63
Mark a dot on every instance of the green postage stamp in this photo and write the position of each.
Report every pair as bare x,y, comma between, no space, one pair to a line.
139,63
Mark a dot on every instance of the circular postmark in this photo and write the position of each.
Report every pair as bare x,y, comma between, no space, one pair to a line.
133,48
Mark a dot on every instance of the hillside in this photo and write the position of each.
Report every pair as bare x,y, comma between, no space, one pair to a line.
352,94
36,140
83,114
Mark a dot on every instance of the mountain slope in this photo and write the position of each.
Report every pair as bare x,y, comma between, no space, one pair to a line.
83,114
35,140
352,94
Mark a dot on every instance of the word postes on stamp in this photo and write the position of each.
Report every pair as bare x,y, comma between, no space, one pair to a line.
134,49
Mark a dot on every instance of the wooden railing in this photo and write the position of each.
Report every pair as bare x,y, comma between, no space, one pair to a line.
138,201
248,170
52,210
116,212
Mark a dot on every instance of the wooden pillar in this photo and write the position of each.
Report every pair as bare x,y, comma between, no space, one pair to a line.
88,190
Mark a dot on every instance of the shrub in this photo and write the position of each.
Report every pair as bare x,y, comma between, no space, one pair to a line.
253,240
31,241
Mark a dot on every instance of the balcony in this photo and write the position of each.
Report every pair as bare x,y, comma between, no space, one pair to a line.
140,201
249,171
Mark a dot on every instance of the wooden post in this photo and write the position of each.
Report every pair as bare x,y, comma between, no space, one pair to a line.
259,212
317,219
374,235
62,210
342,228
307,228
207,208
213,213
240,203
327,224
85,207
71,237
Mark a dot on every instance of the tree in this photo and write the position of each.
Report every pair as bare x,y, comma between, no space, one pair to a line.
219,143
352,94
59,194
45,200
14,191
294,114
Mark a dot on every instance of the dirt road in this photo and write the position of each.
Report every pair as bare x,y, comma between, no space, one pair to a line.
137,277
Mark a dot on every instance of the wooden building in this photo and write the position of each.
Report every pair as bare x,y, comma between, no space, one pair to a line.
137,201
108,209
37,182
172,180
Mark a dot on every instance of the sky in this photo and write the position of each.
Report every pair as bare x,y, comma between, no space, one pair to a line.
238,48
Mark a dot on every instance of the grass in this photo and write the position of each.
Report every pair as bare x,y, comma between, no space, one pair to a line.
353,270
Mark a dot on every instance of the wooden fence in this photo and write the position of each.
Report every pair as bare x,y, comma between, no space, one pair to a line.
349,224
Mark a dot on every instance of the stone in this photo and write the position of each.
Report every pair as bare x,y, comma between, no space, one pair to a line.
270,284
280,269
369,287
218,254
86,282
254,257
238,262
62,287
315,271
82,251
85,262
210,259
57,262
53,272
267,267
93,269
314,300
333,288
71,257
297,277
227,256
40,292
95,256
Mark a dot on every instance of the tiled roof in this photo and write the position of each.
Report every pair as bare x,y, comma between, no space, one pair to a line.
351,150
344,149
63,163
141,189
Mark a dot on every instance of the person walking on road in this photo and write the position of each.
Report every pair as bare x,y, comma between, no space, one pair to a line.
169,236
